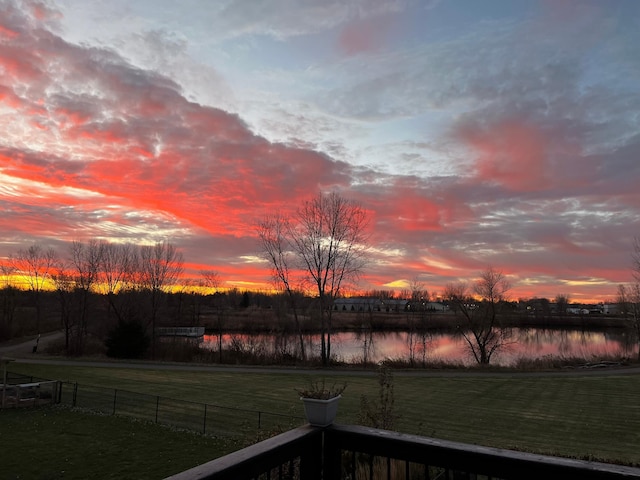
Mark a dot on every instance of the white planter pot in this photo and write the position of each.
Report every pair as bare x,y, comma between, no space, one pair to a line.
320,413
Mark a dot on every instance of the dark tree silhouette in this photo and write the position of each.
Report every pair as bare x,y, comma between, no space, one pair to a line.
481,328
326,236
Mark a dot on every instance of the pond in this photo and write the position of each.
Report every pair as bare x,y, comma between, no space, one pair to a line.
524,343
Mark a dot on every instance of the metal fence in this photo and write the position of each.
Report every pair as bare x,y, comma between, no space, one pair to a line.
200,417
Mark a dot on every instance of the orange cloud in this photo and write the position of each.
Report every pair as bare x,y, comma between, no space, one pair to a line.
7,32
95,147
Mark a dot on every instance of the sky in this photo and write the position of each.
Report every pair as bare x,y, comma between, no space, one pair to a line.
502,133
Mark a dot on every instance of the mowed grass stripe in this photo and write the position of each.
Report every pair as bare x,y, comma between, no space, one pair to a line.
574,416
593,416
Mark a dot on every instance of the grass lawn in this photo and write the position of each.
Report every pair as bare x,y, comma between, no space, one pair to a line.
595,417
56,443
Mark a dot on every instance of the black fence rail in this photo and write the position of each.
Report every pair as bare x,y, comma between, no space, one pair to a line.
360,453
184,414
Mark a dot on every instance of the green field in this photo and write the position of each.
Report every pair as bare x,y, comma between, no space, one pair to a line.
57,443
595,417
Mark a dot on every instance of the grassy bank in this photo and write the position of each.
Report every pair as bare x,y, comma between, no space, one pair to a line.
594,416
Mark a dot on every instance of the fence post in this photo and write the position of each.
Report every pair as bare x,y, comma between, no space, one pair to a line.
157,407
75,393
115,396
204,423
259,419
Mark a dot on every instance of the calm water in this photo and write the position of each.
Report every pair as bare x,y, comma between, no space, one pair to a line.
525,343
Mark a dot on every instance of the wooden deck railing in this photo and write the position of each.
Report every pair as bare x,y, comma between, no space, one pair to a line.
361,452
295,454
355,452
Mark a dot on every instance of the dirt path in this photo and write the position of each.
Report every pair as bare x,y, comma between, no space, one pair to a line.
24,348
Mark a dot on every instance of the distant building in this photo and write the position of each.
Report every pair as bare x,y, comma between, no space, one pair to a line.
578,311
357,304
369,304
395,305
389,305
428,307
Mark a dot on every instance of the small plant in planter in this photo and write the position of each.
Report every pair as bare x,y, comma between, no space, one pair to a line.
321,402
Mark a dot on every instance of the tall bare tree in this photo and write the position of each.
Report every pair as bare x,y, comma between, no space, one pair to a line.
629,307
276,247
85,263
419,294
629,295
325,243
9,294
328,237
160,266
65,286
479,307
35,264
119,268
211,279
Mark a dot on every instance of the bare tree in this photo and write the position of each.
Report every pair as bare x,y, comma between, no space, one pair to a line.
328,237
119,268
8,291
65,286
629,307
276,248
562,302
482,331
629,295
417,314
419,299
85,263
211,279
160,266
36,264
419,295
324,242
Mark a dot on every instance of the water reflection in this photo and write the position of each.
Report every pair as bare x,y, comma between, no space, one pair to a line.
419,348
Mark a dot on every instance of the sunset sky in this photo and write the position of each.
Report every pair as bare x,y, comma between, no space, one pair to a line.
475,133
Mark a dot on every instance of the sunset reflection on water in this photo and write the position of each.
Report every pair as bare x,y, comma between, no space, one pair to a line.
527,344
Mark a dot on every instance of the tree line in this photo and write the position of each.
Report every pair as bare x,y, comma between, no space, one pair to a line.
132,279
316,254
